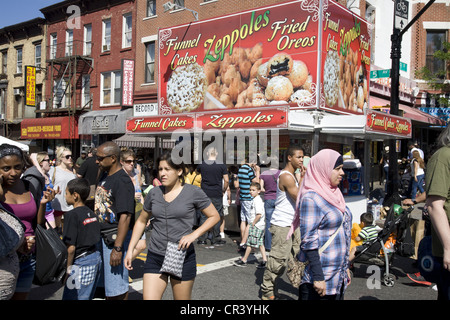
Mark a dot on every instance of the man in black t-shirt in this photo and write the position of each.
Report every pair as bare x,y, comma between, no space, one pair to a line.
213,173
89,168
114,207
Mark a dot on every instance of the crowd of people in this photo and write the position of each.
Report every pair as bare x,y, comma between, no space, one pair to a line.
102,209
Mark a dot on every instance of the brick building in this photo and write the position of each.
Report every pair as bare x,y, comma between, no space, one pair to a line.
21,45
87,41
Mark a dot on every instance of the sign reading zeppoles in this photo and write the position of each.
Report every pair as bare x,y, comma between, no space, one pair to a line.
226,120
253,119
384,123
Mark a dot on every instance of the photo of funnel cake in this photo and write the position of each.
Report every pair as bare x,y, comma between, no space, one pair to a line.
186,88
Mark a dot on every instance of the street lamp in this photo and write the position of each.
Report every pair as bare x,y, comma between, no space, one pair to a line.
170,6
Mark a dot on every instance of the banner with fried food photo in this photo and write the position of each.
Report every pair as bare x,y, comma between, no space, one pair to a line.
262,57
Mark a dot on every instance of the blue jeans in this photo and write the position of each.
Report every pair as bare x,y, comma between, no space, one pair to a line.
269,206
114,279
214,233
443,284
417,185
26,274
83,279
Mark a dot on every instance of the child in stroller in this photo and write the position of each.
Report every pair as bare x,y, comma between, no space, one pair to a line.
375,252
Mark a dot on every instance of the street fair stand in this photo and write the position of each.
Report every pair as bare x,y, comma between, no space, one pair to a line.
299,68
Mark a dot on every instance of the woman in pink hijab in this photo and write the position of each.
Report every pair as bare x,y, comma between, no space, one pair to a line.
324,215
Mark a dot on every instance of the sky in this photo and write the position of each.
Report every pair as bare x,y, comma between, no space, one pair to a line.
17,11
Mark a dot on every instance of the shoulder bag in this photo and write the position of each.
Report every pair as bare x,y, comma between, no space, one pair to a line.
296,269
173,258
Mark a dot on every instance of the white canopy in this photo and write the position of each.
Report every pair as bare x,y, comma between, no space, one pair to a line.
22,146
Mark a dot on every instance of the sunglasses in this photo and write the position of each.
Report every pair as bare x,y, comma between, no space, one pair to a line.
68,156
48,160
129,161
99,158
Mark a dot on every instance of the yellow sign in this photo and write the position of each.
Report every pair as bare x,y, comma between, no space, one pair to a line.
30,86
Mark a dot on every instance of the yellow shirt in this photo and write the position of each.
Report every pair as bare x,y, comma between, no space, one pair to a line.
356,229
194,178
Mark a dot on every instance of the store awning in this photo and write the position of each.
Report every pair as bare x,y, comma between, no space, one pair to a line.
49,128
139,141
107,121
408,112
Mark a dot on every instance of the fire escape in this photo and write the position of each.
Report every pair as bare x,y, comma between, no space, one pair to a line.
68,76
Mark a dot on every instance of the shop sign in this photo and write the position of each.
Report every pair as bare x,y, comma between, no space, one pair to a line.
30,86
246,119
379,122
49,128
127,82
264,57
145,109
265,118
160,124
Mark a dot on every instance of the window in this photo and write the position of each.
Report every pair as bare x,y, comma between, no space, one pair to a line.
37,55
53,43
5,62
69,43
106,35
150,62
435,40
59,94
111,88
19,60
179,3
127,30
86,90
151,8
87,40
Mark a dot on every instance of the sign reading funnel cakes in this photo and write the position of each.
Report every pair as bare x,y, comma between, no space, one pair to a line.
186,88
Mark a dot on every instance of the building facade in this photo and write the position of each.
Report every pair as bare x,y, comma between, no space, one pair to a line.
87,42
21,45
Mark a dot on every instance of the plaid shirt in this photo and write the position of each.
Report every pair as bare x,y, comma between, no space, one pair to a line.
319,221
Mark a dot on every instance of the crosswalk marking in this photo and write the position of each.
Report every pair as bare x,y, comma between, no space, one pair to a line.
137,285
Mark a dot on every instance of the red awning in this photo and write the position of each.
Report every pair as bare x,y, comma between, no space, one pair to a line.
49,128
408,112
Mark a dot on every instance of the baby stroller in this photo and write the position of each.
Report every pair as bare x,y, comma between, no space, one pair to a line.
375,253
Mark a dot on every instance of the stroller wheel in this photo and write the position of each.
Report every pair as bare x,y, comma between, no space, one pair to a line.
389,280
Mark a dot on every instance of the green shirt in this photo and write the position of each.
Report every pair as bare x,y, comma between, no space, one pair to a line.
437,183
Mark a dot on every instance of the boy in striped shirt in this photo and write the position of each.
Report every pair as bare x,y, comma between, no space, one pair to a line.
368,233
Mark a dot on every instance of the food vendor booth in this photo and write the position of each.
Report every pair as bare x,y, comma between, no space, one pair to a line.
299,70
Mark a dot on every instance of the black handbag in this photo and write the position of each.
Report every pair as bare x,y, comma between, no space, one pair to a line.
51,256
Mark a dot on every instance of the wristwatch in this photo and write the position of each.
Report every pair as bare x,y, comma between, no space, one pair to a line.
118,249
414,201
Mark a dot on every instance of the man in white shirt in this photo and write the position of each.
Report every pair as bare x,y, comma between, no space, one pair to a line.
281,221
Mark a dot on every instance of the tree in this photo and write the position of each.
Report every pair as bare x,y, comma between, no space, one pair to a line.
438,80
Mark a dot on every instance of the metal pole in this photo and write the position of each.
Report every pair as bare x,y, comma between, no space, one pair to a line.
396,42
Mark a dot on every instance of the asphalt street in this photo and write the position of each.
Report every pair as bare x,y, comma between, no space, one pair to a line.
218,279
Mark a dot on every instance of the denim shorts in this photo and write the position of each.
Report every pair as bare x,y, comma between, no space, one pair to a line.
246,206
155,261
26,274
114,279
82,281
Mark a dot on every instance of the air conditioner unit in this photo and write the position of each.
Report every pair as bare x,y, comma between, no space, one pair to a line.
106,47
16,91
2,116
